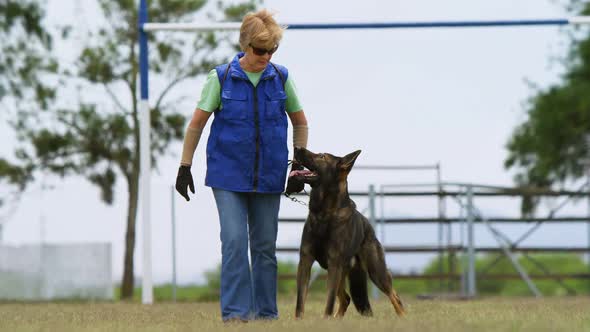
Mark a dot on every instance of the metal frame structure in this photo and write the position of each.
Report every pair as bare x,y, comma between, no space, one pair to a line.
472,216
145,27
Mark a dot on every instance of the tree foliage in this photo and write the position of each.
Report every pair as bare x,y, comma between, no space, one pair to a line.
24,50
25,58
97,137
552,146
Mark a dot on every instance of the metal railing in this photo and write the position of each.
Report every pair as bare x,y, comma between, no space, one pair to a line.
464,194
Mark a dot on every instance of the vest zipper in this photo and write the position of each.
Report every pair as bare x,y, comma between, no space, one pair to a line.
257,126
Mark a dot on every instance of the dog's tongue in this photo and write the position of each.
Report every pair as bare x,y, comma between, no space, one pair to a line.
300,172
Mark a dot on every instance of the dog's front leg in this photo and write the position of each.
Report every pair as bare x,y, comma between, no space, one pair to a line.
343,298
334,278
303,271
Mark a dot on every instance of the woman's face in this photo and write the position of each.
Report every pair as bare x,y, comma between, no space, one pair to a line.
257,58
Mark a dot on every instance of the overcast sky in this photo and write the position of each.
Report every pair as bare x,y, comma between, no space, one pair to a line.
404,97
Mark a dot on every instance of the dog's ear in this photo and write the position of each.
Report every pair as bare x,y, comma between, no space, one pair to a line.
347,161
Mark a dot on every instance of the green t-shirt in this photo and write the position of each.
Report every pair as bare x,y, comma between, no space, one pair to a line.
211,93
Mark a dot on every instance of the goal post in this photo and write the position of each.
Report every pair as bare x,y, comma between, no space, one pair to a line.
146,27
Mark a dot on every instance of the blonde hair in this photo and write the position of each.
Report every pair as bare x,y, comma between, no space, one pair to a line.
260,29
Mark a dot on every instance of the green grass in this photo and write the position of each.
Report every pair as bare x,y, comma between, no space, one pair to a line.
184,293
490,314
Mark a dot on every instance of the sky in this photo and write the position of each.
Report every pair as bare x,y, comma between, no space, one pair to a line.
404,97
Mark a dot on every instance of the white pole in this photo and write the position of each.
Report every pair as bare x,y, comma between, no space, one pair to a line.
173,212
42,219
147,292
146,166
579,20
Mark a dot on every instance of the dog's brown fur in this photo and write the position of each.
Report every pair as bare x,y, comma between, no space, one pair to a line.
339,238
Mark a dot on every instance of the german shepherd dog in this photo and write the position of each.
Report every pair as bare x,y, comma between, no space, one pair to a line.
339,238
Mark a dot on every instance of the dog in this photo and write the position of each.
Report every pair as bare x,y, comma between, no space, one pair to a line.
339,238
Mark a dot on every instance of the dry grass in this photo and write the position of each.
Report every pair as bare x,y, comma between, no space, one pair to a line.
498,314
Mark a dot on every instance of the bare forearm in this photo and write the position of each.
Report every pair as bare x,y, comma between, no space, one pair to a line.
193,135
199,119
300,128
300,135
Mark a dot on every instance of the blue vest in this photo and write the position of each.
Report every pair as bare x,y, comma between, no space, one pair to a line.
247,147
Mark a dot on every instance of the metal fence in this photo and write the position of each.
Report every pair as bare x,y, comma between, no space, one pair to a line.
56,272
464,195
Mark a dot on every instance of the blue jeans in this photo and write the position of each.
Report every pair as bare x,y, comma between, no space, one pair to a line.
248,294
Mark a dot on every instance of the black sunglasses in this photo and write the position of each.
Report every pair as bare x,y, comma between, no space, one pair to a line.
261,51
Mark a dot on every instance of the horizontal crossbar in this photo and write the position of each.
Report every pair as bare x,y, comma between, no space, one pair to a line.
375,25
455,220
456,276
514,192
424,249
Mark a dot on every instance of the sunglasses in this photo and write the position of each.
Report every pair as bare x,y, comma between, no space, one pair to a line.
261,51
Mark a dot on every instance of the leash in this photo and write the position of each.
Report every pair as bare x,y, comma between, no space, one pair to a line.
293,198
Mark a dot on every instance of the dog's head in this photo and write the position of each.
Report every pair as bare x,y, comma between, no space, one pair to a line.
323,168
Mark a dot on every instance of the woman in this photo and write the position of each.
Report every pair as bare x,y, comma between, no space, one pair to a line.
247,163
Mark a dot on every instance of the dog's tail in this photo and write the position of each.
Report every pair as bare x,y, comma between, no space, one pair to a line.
358,289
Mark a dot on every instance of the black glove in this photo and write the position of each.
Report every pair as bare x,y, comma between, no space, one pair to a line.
184,179
294,185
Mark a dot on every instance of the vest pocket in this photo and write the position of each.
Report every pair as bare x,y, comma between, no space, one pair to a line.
234,104
275,104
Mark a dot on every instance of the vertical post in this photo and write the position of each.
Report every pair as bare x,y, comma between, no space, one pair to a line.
588,189
440,255
42,229
440,228
463,257
442,214
173,211
145,157
374,293
382,220
42,218
462,288
470,243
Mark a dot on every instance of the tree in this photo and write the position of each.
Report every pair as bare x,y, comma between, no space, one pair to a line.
99,137
24,51
24,56
550,147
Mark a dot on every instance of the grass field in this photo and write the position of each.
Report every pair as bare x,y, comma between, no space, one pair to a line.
494,314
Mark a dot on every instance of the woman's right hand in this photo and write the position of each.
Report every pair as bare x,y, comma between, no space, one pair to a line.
294,185
184,179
